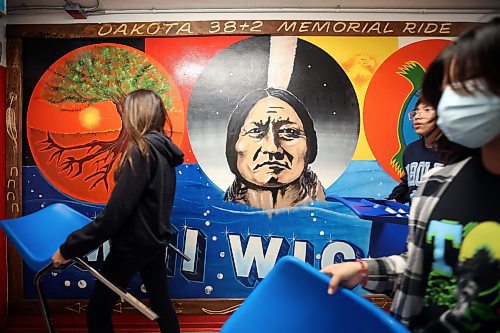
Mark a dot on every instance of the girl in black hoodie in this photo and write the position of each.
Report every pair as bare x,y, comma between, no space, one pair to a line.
136,218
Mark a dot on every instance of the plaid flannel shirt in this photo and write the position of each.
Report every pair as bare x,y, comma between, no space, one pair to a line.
400,276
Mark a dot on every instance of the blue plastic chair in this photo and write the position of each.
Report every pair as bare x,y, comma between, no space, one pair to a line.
38,235
293,299
377,210
389,222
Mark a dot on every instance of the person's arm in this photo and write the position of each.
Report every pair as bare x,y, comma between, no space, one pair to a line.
400,192
121,206
384,273
377,275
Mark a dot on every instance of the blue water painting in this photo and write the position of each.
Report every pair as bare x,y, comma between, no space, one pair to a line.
232,246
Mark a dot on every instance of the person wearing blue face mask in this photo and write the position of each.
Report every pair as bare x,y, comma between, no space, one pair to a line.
448,280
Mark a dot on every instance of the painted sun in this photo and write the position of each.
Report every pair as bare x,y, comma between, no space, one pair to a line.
90,117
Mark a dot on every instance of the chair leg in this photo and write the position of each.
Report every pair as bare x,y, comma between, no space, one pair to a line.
42,299
124,295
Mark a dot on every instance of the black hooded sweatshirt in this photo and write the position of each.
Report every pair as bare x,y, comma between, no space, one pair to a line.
137,215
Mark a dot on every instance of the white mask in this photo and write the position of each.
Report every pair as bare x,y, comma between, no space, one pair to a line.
471,120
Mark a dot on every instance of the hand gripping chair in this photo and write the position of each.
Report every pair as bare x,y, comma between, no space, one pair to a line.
38,235
293,298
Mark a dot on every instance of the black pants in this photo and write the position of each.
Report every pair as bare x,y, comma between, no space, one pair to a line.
120,268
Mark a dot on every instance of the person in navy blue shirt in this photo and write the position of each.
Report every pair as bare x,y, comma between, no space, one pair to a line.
419,156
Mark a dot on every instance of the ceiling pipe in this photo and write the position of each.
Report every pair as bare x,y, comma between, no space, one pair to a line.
88,11
72,8
296,10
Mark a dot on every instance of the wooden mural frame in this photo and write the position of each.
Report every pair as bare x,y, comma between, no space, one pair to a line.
13,152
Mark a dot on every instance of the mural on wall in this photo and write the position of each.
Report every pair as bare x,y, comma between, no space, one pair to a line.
74,124
389,133
282,107
270,126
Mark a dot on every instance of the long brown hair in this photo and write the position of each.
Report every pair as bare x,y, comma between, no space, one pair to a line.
143,112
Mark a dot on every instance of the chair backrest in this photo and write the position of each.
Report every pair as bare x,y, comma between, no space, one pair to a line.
38,235
293,298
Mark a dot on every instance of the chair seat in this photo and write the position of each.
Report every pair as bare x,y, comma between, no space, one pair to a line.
38,235
293,299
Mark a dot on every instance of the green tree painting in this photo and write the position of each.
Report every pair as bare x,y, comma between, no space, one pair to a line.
105,72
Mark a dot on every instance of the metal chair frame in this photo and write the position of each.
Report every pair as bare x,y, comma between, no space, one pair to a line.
124,295
23,230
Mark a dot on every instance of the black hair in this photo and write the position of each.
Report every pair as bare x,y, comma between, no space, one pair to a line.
448,151
241,111
431,84
472,56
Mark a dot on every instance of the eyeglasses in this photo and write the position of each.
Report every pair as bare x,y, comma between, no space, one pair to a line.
426,111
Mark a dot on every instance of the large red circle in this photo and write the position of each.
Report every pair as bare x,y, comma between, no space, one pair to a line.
69,128
385,97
